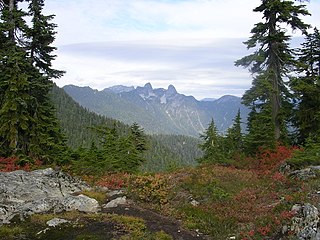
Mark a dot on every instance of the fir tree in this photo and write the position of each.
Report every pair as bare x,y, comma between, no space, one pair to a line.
42,35
272,58
120,152
15,85
138,137
234,138
28,123
306,88
212,146
260,131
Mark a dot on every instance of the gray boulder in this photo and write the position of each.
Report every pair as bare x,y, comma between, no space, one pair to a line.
304,174
25,193
306,222
116,202
56,222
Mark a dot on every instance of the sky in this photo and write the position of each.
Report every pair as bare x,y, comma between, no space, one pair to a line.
191,44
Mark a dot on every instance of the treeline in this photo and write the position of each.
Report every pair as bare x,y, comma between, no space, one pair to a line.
168,152
117,152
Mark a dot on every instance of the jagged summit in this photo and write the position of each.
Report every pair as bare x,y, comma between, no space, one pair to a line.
148,86
171,90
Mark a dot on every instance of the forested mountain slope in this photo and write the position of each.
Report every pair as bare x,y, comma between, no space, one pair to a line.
164,151
77,121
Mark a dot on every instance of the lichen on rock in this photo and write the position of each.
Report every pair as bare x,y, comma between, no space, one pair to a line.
41,191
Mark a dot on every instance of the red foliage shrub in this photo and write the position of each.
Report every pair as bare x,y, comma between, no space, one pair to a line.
268,161
12,164
264,230
114,181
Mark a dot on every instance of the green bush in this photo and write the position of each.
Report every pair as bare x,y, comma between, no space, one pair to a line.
308,157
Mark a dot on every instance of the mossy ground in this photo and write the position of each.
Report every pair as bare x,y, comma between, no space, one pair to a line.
100,226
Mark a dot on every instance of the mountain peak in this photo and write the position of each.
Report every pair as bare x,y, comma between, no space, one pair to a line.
148,86
120,89
228,98
171,90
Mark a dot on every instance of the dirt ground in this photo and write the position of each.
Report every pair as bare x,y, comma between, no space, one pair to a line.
86,228
156,222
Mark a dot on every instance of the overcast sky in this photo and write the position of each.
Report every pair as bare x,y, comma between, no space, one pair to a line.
191,44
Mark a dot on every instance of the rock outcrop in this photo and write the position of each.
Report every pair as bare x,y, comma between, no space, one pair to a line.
306,223
25,193
304,174
116,202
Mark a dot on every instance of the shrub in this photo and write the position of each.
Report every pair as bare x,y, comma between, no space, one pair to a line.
161,236
207,222
150,188
135,226
310,156
268,161
14,163
10,232
114,181
204,190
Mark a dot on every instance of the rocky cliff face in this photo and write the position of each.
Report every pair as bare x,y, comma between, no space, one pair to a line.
25,193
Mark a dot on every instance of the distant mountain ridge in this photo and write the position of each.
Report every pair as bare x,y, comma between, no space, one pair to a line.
159,110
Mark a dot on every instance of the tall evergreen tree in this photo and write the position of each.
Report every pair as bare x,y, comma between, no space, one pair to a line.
121,152
138,137
42,35
212,146
234,138
260,130
273,58
14,81
28,123
306,88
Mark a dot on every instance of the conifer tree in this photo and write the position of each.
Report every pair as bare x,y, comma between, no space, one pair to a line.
212,146
138,138
14,81
272,58
121,152
306,88
42,35
28,123
260,131
234,138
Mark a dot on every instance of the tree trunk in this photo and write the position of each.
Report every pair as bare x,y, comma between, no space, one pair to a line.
274,75
11,8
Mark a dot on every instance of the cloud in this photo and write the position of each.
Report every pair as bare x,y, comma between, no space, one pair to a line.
101,20
194,66
189,43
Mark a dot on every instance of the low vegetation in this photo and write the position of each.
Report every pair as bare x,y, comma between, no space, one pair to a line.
252,202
